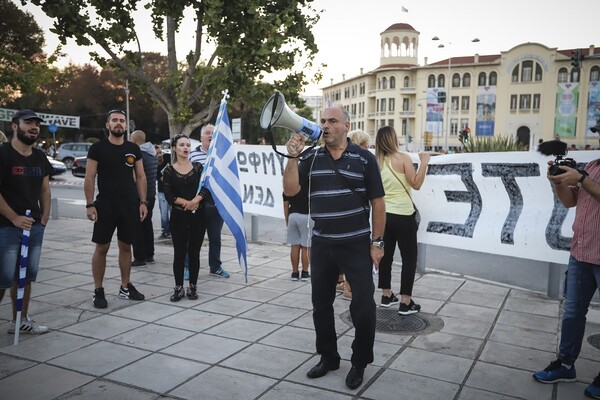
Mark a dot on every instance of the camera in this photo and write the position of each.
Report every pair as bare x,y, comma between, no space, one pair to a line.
558,149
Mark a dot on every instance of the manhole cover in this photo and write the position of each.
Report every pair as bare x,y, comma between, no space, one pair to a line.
594,340
389,321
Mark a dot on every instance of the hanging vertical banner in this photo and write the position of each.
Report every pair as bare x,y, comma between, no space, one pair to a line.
565,121
593,110
486,111
435,112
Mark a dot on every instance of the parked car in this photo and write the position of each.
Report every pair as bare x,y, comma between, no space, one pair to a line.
58,167
67,152
78,168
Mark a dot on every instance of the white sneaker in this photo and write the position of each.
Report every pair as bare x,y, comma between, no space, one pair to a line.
28,327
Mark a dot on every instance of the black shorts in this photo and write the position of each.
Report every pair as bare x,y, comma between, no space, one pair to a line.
111,216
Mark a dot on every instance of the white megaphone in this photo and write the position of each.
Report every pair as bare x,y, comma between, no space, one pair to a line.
277,113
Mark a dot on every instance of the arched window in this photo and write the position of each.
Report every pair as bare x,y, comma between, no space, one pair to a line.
431,81
384,83
515,74
538,73
393,82
527,71
456,80
467,80
575,75
379,83
563,75
482,79
493,78
441,80
595,74
406,81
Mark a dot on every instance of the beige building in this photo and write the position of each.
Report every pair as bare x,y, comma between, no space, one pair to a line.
529,92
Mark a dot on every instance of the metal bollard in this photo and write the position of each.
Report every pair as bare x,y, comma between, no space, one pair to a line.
422,258
54,208
254,228
553,289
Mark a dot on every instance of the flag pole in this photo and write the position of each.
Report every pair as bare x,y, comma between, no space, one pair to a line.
22,275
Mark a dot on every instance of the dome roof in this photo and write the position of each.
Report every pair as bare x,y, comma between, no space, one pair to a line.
400,27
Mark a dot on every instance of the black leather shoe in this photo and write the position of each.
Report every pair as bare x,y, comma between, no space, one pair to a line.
355,377
321,369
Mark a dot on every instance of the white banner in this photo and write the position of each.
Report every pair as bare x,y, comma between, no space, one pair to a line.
498,203
63,121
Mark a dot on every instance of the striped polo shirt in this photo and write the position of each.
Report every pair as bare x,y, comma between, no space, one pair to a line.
340,214
585,245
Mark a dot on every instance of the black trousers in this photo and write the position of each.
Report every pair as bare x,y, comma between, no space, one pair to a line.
187,234
401,230
327,261
143,238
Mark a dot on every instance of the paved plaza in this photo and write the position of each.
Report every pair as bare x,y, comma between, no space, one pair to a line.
256,340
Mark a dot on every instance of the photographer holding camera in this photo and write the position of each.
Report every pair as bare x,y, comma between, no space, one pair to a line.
580,189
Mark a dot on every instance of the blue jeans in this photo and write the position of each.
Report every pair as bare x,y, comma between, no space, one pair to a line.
10,251
165,210
581,283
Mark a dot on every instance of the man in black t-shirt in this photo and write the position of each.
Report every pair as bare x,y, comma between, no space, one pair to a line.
115,161
24,185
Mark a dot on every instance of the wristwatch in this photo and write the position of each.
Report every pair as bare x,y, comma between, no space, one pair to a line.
580,181
377,242
144,202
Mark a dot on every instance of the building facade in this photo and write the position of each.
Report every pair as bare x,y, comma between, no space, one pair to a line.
529,92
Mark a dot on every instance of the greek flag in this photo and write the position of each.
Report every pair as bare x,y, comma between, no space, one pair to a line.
221,177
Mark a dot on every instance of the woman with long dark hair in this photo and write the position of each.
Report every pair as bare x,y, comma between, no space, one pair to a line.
399,178
180,180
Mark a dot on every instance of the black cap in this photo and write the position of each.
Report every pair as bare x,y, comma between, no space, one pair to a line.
26,115
595,128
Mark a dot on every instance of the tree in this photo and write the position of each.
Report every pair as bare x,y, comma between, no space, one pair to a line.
23,64
251,38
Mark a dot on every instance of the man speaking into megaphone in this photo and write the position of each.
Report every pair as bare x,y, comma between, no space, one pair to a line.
344,186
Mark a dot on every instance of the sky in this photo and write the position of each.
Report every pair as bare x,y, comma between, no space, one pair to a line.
348,32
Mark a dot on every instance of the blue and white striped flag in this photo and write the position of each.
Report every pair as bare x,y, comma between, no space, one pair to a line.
221,177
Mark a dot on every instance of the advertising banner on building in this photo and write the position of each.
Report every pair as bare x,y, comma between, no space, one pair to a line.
62,121
567,98
593,111
486,111
497,203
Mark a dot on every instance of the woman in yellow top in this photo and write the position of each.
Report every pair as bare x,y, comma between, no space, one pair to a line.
399,178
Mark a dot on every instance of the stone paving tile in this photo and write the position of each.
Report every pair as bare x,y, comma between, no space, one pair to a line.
106,390
273,362
281,283
296,300
426,363
529,321
289,337
99,358
256,294
274,313
293,391
409,387
103,327
470,312
382,352
508,381
445,343
61,317
204,348
48,346
10,365
465,327
224,384
513,356
148,311
50,382
193,320
548,308
228,306
475,394
571,391
243,329
157,372
465,296
525,338
152,337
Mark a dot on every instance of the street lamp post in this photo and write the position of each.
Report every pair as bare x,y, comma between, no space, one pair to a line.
448,98
127,107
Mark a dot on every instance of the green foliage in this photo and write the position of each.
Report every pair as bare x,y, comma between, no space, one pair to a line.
486,144
248,39
23,64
